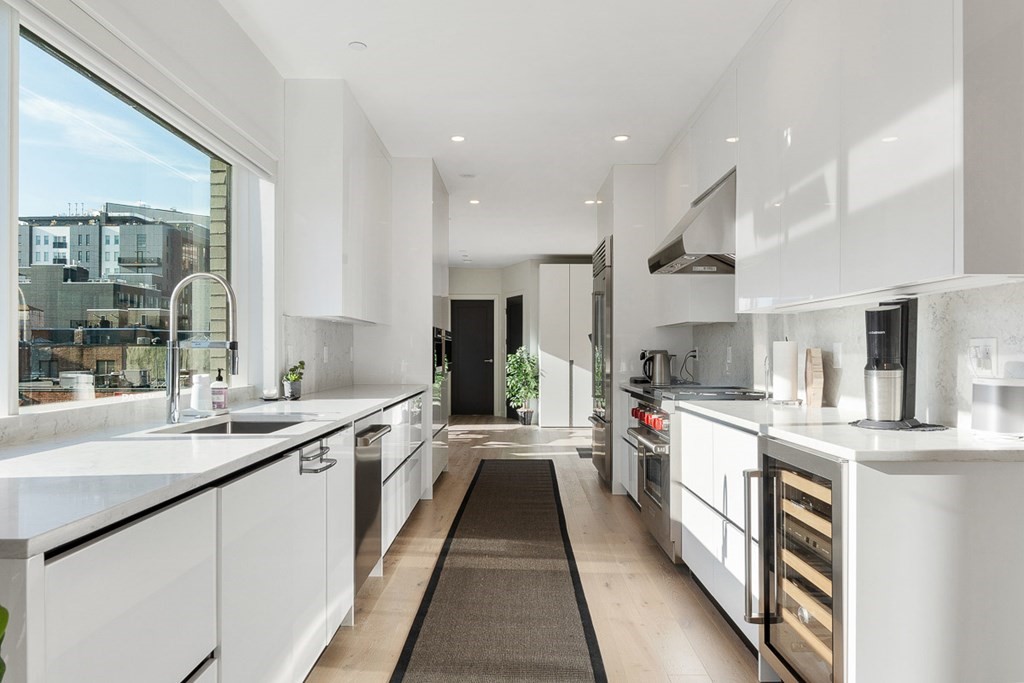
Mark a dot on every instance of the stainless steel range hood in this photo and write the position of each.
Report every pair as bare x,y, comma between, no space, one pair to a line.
704,240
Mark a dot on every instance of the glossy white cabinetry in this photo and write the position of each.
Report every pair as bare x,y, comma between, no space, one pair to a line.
439,454
696,462
788,227
274,564
876,152
395,445
258,574
340,529
714,136
138,604
713,458
733,452
566,389
900,148
337,208
400,494
208,674
695,299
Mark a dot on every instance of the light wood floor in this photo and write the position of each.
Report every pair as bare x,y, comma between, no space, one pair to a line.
653,623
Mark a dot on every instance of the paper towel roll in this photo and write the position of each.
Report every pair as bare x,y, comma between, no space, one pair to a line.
784,371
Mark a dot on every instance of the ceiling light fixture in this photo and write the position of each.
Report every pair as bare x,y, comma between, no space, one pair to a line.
732,139
600,201
458,138
891,138
474,201
589,201
357,45
620,138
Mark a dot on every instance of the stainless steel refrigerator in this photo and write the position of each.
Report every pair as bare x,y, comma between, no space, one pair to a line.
601,342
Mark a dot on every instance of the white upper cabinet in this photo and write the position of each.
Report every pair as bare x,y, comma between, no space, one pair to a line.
879,151
337,206
787,234
714,136
899,119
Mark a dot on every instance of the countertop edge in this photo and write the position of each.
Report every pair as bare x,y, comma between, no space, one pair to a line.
25,548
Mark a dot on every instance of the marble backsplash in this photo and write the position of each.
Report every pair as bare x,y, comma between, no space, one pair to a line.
306,338
946,323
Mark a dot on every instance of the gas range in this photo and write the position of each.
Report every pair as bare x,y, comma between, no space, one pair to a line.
681,390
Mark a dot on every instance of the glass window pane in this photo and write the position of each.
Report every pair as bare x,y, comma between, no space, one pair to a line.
133,177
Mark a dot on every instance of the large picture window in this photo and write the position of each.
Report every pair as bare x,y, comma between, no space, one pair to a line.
96,167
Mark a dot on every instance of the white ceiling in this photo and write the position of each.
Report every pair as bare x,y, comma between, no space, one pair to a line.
537,87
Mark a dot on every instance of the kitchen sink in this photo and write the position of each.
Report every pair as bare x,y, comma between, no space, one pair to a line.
232,424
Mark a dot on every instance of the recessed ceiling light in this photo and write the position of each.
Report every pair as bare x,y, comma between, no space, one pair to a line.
474,201
891,138
732,139
600,201
458,138
590,201
620,138
357,45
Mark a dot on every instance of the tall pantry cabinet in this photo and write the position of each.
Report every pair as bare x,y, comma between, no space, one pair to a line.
566,372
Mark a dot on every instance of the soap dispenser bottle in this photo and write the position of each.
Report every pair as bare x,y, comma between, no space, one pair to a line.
219,392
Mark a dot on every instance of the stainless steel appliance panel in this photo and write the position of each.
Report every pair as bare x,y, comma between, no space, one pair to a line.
367,494
601,344
801,563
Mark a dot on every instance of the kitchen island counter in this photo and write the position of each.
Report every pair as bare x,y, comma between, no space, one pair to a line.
828,431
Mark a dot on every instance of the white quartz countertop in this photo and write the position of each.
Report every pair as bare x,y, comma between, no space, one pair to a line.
828,430
55,492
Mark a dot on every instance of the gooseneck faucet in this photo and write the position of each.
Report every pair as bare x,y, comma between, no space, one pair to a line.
174,347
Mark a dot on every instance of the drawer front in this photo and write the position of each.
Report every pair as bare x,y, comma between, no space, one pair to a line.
696,468
395,444
139,604
735,451
702,540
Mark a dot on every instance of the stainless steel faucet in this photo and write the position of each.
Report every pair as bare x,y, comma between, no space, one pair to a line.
174,347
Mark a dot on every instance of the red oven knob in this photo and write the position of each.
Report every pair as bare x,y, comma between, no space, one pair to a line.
659,423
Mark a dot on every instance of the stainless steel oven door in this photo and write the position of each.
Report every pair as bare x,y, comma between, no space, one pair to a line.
654,452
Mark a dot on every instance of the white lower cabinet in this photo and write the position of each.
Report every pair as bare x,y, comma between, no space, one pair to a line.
439,454
138,604
713,550
209,673
399,496
274,560
340,530
395,444
258,575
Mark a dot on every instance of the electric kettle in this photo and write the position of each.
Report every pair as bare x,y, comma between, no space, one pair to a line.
657,366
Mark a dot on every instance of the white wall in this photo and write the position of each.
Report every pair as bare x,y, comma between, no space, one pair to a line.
442,224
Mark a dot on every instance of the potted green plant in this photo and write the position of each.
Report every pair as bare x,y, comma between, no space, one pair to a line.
522,383
291,383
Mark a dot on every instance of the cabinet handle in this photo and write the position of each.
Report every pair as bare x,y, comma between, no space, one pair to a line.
371,434
324,450
323,467
748,539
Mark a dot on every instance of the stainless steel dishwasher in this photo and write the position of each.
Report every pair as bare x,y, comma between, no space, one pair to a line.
367,485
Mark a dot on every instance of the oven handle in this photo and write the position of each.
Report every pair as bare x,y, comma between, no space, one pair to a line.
656,448
748,540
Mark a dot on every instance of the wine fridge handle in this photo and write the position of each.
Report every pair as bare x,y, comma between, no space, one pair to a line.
748,540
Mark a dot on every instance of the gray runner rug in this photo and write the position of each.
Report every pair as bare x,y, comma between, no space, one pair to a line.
505,600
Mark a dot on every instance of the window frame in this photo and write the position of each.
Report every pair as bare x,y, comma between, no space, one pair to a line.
117,64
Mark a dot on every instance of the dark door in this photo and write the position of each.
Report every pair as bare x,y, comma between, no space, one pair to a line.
513,335
473,357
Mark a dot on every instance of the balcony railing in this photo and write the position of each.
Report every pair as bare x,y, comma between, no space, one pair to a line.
139,260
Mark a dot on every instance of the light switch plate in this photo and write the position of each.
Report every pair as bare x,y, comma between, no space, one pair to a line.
982,356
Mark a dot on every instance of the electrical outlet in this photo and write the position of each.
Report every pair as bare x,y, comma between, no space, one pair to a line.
325,354
696,354
981,354
728,355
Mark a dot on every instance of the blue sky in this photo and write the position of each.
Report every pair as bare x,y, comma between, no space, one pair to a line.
80,144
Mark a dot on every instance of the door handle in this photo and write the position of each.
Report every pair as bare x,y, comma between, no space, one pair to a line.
488,360
748,538
371,434
326,464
